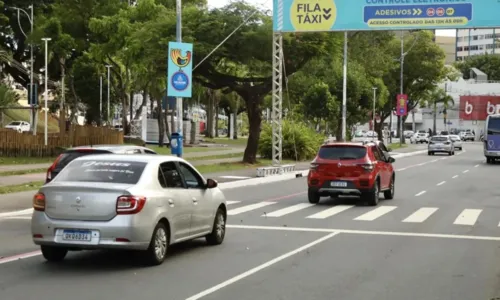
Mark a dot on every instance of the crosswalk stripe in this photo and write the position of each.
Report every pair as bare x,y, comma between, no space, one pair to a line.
288,210
330,212
247,208
421,215
376,213
468,217
228,202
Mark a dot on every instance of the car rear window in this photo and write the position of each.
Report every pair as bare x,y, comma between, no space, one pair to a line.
342,152
439,139
69,156
126,172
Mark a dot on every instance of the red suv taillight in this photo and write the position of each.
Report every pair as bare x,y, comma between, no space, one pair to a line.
129,205
367,166
51,168
314,167
39,202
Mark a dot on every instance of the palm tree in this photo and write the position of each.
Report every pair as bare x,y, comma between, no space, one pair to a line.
7,97
435,97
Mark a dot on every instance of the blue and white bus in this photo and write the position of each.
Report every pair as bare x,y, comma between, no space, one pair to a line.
492,138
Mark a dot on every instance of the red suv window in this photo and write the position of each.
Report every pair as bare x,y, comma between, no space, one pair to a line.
341,152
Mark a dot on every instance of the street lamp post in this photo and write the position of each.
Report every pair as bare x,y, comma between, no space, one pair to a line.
100,100
373,114
31,20
46,92
109,84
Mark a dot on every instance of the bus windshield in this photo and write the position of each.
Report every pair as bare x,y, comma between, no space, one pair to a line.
494,126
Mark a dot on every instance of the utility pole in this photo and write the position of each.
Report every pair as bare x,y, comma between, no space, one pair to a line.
178,6
344,92
373,113
401,136
109,84
100,100
46,91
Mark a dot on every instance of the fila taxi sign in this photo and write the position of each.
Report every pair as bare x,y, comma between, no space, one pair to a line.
359,15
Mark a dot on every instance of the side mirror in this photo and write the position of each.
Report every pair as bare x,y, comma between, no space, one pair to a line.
391,160
389,149
211,183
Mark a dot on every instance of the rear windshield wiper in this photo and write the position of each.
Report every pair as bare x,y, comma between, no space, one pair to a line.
346,157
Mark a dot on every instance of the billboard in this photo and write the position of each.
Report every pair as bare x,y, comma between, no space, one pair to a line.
179,69
401,105
477,108
358,15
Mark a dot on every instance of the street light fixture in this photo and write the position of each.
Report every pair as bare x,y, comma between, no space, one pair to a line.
46,92
109,84
31,19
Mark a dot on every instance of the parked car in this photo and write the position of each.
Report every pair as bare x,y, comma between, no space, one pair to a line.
468,136
419,138
359,169
457,142
441,144
70,154
128,202
19,126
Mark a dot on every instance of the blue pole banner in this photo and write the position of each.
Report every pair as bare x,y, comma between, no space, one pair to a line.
179,70
365,15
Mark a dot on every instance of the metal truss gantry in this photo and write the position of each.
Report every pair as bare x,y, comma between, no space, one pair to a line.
277,106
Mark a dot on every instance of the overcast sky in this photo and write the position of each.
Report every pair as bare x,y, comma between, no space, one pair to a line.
269,5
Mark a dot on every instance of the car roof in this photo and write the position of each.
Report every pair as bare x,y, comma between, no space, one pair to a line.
133,158
109,147
343,144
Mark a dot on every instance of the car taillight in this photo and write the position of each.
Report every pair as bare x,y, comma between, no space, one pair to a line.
51,168
314,167
367,167
39,202
128,205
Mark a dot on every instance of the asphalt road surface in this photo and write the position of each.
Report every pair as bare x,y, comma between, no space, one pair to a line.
438,239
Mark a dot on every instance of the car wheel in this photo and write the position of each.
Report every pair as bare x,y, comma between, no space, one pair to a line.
460,148
372,196
450,153
216,237
157,250
313,196
389,194
53,254
489,160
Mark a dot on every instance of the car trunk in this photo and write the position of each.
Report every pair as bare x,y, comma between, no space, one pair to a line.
341,161
84,201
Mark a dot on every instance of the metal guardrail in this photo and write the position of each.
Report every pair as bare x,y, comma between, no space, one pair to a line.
274,170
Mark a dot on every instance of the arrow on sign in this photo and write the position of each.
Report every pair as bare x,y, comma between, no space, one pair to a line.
417,11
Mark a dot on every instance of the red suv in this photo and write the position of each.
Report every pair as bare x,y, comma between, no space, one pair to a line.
359,169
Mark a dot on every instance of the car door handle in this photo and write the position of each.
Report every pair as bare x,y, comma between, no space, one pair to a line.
170,202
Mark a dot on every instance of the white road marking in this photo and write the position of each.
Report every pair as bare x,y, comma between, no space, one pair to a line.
465,171
17,218
370,232
16,213
454,176
259,268
402,169
330,212
4,260
228,202
441,183
420,194
234,177
434,160
476,166
376,213
288,210
420,215
459,153
247,208
444,158
421,164
468,217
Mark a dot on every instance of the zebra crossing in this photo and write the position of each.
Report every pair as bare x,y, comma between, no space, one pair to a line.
467,217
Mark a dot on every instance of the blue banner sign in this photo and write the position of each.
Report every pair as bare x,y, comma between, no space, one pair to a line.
346,15
179,70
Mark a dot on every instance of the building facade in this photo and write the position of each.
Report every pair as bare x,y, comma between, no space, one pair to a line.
471,42
448,44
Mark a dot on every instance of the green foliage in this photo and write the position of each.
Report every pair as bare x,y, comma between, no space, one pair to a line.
487,63
300,142
7,95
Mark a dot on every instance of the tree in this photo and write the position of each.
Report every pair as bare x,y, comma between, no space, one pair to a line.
435,97
7,97
251,47
487,63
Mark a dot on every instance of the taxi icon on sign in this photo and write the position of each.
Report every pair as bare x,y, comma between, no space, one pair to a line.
440,11
450,11
430,12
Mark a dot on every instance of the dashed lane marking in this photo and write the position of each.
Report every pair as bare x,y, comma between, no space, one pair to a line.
420,194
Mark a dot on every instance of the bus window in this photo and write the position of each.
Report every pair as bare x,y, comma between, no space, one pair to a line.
494,126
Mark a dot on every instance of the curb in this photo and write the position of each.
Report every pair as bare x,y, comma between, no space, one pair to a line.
261,180
401,155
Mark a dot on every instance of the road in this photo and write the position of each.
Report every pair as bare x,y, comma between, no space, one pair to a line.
438,239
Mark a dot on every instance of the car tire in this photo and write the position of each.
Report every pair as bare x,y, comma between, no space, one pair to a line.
372,197
216,237
430,153
460,148
158,246
313,196
389,194
450,153
489,160
53,254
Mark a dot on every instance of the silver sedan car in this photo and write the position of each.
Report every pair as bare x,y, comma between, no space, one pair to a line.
441,144
457,142
129,202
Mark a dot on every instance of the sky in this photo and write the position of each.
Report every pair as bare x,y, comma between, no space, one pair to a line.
268,4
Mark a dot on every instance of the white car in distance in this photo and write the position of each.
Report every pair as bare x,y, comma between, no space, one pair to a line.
19,126
457,142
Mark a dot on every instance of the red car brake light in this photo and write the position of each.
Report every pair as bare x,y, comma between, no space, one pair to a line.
51,168
314,166
129,205
367,166
39,202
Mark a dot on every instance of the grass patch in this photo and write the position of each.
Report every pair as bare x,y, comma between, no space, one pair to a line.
25,160
395,146
242,142
167,151
34,185
23,172
236,166
211,157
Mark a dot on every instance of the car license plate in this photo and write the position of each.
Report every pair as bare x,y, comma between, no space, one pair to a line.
338,184
77,235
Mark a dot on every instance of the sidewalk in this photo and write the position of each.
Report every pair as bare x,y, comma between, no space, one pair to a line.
10,168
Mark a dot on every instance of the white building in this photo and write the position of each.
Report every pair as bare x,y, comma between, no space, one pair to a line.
477,41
